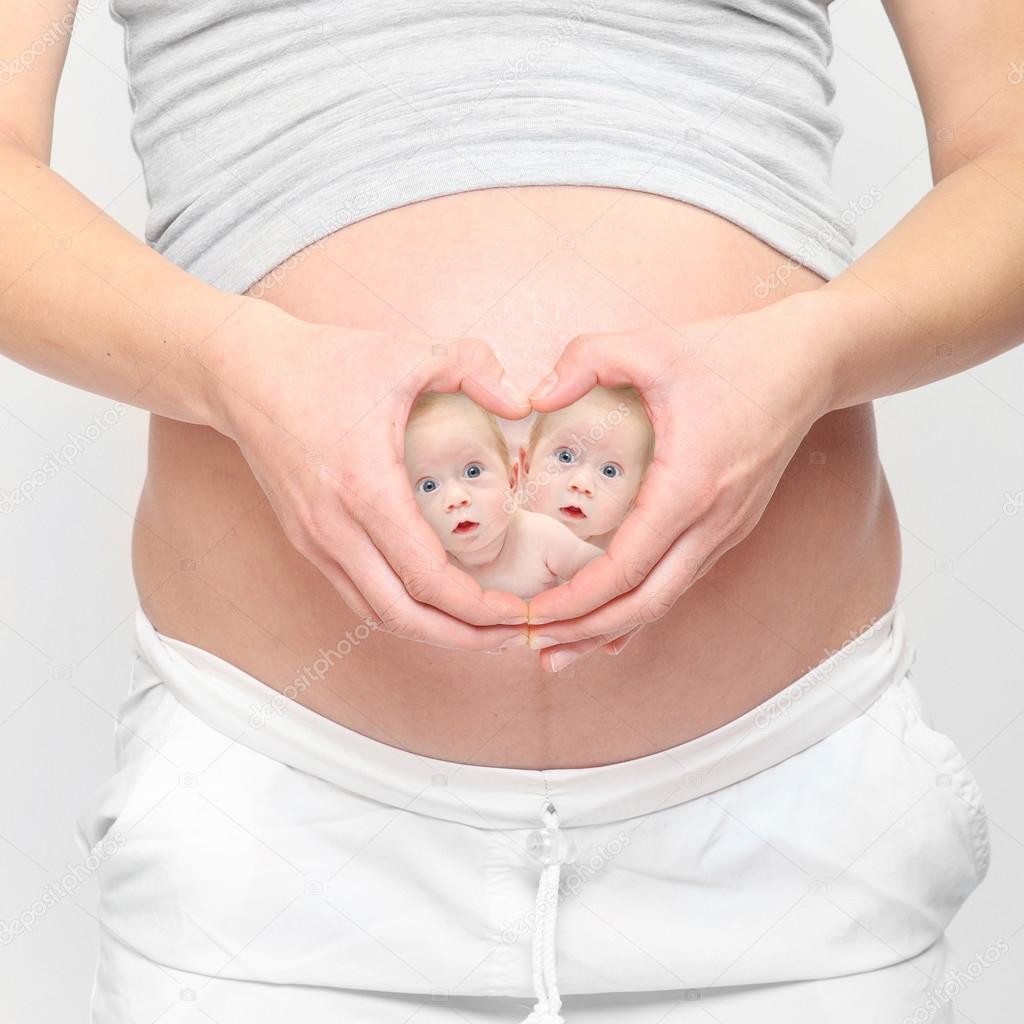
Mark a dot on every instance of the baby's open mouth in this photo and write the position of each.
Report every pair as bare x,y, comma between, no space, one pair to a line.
573,511
465,526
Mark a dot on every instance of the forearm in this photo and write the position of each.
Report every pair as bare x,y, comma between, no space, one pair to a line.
940,293
85,302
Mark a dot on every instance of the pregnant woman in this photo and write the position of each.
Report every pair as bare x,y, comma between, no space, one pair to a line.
334,800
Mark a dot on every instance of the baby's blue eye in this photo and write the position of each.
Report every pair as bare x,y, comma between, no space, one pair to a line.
428,485
565,455
473,470
610,470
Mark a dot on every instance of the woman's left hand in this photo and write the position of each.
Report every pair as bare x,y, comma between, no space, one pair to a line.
730,399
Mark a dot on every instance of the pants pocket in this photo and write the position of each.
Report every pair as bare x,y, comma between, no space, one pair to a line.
143,720
961,782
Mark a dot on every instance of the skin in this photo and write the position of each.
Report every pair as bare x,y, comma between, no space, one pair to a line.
460,477
757,622
261,537
584,461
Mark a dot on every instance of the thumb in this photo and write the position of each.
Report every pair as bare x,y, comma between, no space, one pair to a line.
587,361
470,365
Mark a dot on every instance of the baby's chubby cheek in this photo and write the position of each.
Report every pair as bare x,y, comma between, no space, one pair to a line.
540,495
609,511
434,522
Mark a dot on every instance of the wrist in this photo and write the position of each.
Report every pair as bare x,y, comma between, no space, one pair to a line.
840,323
779,359
816,324
248,328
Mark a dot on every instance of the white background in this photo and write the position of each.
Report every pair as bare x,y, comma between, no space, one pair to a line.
953,451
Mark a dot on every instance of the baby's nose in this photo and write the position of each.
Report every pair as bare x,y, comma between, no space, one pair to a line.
581,482
457,499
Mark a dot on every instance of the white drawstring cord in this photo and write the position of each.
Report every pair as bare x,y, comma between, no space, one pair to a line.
553,848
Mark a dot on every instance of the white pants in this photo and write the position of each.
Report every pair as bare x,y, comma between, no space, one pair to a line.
261,863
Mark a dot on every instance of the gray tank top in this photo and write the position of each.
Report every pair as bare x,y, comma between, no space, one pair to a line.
264,125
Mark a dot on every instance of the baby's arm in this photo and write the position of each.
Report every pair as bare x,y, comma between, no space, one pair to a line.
566,553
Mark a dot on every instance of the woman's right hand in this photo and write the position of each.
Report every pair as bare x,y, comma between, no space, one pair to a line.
319,412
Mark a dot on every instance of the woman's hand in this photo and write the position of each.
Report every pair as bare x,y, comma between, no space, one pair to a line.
319,412
730,399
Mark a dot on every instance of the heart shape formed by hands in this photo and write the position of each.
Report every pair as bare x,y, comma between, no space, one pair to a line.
527,515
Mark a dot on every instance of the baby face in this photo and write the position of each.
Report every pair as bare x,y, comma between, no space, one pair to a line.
461,483
587,465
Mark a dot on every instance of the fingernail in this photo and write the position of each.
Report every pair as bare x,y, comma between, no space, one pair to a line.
519,620
517,396
515,641
538,642
539,620
562,658
546,385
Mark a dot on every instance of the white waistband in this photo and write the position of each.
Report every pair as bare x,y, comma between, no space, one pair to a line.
817,704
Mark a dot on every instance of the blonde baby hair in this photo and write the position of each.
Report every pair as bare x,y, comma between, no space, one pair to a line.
437,399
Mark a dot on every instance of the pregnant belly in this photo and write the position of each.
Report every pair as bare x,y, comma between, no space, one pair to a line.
526,269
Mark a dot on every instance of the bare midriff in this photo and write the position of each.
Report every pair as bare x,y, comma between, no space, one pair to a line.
526,269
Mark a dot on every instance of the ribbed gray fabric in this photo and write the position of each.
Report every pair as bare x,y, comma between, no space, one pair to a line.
264,125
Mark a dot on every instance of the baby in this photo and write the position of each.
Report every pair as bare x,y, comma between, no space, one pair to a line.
583,465
463,480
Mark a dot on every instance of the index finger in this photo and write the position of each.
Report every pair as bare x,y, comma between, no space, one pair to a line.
657,518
